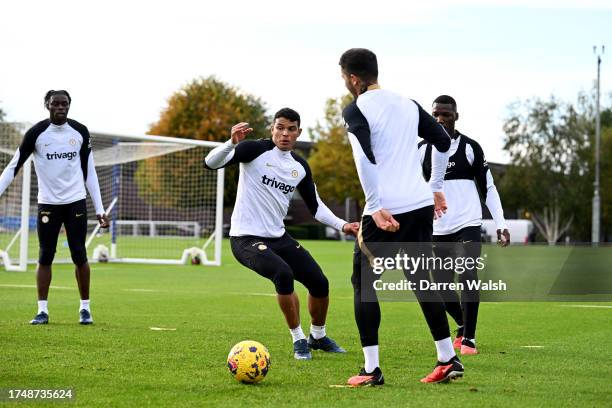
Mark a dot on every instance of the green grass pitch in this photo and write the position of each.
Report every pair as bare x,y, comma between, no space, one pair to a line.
119,361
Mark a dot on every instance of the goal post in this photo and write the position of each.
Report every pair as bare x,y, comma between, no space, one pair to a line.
165,207
15,203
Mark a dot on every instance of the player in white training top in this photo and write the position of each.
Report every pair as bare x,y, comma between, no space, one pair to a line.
270,173
383,128
64,166
457,234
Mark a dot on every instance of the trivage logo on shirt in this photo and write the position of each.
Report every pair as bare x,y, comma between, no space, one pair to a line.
58,156
285,188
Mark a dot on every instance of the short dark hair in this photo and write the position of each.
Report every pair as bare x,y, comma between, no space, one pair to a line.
445,99
54,92
360,62
289,114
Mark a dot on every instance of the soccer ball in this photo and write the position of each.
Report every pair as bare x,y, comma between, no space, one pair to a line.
101,253
248,361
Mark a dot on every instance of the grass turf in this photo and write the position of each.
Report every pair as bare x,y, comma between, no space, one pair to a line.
119,361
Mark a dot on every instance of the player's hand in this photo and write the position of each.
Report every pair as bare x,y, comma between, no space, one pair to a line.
439,204
103,220
503,237
351,228
385,221
240,131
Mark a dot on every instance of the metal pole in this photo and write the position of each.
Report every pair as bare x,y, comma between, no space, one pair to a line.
595,232
219,216
116,174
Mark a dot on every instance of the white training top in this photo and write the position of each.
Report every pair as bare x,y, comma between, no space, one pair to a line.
383,129
268,179
63,162
467,174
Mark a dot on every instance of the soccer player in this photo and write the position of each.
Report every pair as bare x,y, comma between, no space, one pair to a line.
270,173
383,128
64,166
467,175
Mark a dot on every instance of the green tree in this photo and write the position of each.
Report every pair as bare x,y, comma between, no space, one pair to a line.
204,109
332,160
550,146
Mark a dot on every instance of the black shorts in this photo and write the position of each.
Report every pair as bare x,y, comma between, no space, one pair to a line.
415,231
282,260
49,222
464,243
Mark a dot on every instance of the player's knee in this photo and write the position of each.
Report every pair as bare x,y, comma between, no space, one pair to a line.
46,256
79,255
319,288
283,280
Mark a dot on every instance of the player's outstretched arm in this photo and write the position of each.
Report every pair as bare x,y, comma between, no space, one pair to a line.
9,173
486,186
93,186
19,158
239,132
90,175
231,151
316,206
434,133
351,228
103,220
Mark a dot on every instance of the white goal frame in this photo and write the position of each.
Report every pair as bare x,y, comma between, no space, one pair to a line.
24,232
215,238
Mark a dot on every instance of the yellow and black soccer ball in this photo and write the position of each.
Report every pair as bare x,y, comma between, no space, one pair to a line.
248,361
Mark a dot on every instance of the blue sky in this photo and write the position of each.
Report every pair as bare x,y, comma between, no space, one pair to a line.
122,60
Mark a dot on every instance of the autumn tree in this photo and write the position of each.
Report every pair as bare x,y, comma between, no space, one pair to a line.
332,160
204,109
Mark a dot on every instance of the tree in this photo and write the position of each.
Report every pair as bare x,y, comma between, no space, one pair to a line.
332,160
204,109
550,147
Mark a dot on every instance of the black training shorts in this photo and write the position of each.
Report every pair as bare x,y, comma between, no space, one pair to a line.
282,260
49,222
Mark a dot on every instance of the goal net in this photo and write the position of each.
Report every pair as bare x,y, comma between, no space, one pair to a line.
165,207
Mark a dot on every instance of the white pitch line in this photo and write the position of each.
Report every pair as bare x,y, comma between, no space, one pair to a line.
33,287
251,294
141,290
589,306
532,346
